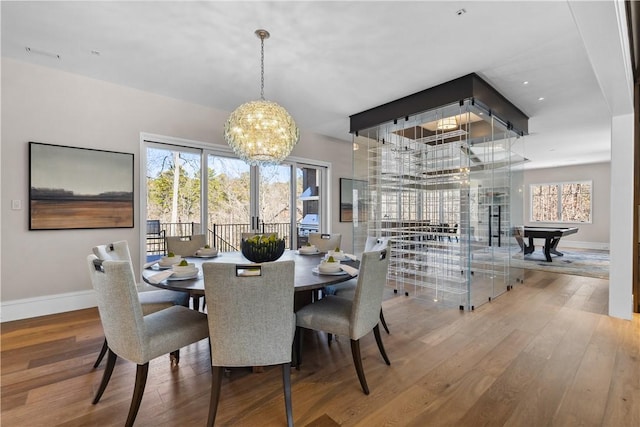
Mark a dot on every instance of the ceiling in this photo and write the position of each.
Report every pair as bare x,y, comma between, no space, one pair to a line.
328,60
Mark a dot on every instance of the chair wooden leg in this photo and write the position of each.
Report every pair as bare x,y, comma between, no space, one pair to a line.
297,339
138,391
329,338
106,376
286,381
357,361
216,384
384,323
376,333
103,351
174,357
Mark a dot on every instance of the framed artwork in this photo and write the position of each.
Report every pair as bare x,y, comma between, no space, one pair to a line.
353,207
79,188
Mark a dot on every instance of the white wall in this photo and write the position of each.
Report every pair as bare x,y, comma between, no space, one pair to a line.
594,235
43,272
621,268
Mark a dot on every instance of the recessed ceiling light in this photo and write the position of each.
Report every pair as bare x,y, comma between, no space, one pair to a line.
460,12
525,82
95,52
541,98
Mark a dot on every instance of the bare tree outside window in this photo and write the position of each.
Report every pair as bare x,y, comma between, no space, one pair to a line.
561,202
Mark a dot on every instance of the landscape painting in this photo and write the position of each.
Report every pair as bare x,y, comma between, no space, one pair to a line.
79,188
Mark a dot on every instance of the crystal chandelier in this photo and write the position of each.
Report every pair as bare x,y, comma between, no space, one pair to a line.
261,132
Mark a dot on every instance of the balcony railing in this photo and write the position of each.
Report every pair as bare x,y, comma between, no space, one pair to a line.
224,237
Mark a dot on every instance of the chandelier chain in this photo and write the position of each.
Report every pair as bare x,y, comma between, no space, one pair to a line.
261,67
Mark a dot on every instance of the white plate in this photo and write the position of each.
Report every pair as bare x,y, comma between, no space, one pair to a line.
335,273
206,256
192,276
308,253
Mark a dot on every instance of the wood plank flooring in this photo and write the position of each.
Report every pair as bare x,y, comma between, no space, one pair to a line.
543,354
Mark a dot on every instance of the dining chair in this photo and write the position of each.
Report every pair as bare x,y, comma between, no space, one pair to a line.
348,289
353,318
130,334
150,301
325,242
185,245
251,321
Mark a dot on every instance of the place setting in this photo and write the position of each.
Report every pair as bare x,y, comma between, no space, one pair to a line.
206,252
173,267
331,266
308,250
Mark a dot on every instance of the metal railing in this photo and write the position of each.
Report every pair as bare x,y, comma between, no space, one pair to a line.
224,237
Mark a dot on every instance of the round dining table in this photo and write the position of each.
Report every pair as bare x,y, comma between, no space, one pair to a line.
306,280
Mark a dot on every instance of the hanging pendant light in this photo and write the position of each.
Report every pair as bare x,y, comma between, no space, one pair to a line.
447,123
261,132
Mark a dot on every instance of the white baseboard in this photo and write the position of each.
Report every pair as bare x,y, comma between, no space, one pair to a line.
44,305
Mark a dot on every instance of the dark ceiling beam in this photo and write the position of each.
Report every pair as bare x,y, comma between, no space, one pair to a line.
470,86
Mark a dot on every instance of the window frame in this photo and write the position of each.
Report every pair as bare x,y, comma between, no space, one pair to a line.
559,185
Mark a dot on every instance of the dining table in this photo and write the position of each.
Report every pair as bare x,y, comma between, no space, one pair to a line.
307,278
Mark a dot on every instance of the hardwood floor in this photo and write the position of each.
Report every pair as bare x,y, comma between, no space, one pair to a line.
543,354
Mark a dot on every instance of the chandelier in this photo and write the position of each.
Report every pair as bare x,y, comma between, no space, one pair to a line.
447,123
261,132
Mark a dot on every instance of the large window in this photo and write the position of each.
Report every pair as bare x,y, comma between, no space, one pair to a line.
233,199
561,202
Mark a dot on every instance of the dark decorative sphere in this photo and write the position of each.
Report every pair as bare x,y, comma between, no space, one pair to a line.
262,251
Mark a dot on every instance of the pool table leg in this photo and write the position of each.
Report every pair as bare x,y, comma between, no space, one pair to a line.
551,243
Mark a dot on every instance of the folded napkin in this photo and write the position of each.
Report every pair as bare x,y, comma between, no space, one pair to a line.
159,277
351,270
351,256
149,264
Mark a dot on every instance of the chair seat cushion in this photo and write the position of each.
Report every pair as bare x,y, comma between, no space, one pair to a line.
331,314
153,301
171,329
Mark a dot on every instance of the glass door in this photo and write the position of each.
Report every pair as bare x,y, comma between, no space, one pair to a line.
229,207
173,197
274,206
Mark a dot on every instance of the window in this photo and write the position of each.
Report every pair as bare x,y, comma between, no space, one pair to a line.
561,202
233,199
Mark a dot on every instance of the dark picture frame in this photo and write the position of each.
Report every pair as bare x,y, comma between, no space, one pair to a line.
347,187
79,188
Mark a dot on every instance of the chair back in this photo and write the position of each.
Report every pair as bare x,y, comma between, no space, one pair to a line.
375,243
116,251
119,306
187,245
367,300
250,312
153,227
325,242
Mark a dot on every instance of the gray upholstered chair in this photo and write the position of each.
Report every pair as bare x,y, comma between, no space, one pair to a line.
131,335
348,289
251,321
185,245
353,318
150,301
325,242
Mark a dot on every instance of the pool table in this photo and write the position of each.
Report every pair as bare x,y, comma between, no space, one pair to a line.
551,236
